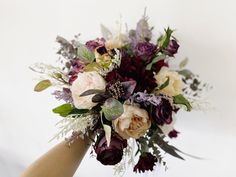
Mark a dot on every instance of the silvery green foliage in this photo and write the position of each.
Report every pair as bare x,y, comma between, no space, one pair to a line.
66,50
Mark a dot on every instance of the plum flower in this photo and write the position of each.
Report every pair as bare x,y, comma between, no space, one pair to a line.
146,162
112,154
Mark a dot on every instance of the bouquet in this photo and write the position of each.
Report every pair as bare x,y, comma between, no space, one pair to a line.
120,91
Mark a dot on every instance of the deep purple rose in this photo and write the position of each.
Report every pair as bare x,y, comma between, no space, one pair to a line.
145,50
93,44
162,113
172,48
112,154
146,162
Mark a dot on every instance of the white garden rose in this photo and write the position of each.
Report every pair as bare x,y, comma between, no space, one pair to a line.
134,122
175,85
86,81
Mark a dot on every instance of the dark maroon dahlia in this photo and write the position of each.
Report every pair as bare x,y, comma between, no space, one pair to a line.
112,154
146,51
172,48
146,162
134,69
162,113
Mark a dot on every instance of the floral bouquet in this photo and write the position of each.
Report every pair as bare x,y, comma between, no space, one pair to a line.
120,91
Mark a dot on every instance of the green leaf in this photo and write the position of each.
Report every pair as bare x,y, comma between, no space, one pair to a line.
155,60
91,91
186,73
165,84
112,109
107,130
183,63
85,54
63,110
179,99
164,40
42,85
92,67
78,111
166,147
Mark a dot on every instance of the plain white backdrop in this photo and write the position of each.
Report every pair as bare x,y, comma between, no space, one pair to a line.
206,31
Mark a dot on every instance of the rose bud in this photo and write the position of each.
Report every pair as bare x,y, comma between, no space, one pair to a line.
173,134
172,48
162,113
112,154
146,162
146,50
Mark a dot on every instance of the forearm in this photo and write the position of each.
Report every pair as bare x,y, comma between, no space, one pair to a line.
61,161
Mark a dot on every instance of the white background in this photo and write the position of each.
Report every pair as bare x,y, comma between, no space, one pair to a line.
206,30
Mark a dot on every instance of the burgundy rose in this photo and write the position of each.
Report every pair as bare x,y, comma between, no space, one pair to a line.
133,69
162,113
146,162
145,50
93,44
158,65
173,134
172,48
112,154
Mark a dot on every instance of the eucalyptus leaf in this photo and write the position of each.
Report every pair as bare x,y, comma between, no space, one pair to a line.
112,109
183,63
91,91
186,73
107,130
180,99
85,54
42,85
63,110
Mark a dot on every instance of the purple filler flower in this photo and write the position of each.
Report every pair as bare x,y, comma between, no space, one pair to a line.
146,162
145,50
172,48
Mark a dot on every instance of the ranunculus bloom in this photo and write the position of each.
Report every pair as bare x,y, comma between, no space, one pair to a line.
146,162
134,122
162,113
175,85
102,56
145,50
93,44
86,81
172,47
112,154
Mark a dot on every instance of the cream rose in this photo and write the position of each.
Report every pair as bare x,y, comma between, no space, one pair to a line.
86,81
134,122
175,82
